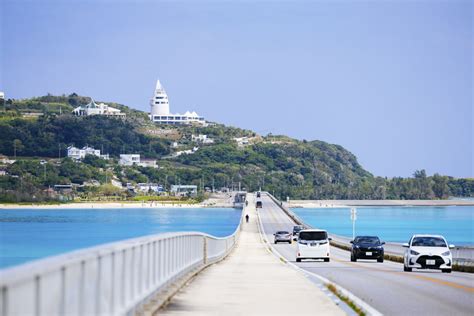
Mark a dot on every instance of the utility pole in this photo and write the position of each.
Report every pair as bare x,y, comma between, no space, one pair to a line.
59,151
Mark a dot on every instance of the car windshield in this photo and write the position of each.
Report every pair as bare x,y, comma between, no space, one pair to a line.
313,235
282,232
428,242
297,228
367,240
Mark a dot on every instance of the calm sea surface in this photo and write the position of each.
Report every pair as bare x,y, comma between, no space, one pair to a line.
27,234
397,224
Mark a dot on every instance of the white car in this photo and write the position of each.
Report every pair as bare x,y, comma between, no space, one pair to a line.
312,244
428,252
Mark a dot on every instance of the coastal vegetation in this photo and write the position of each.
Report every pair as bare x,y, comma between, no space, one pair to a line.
298,169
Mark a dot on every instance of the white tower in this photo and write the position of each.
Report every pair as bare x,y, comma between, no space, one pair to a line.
159,104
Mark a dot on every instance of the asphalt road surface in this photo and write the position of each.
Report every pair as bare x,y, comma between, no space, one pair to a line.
385,286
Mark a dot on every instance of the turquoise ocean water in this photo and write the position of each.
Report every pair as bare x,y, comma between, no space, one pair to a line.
396,224
27,234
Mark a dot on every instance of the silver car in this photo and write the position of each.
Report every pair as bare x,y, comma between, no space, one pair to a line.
282,236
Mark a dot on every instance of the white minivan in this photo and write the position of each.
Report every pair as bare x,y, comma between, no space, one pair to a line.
312,244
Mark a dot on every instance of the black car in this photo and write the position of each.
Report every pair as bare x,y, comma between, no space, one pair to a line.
259,204
367,247
258,194
296,229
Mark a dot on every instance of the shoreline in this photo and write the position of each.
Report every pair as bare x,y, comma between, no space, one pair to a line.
350,203
113,205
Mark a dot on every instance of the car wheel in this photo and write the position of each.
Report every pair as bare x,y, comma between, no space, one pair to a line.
276,242
298,259
380,259
446,270
406,269
326,259
289,242
353,259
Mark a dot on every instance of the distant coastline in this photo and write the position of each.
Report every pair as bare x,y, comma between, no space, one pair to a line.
349,203
115,205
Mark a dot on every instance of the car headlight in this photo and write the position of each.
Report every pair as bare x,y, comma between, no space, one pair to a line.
356,246
413,252
447,253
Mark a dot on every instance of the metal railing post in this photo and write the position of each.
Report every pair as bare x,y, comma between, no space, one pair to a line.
204,250
82,282
62,301
37,295
112,283
98,285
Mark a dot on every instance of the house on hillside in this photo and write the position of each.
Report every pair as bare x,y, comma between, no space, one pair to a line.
93,108
150,163
186,152
80,153
129,159
203,139
135,159
242,141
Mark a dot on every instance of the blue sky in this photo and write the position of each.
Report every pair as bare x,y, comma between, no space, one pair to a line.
392,81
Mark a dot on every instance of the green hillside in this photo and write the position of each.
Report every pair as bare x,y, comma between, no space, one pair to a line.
279,164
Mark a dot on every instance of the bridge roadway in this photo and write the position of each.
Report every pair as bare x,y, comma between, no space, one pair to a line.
382,285
251,281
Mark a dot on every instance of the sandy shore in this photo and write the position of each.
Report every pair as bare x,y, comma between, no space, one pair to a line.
349,203
212,202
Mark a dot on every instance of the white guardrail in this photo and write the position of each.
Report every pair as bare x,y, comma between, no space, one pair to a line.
112,279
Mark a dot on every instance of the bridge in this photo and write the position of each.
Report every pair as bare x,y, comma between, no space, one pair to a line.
195,273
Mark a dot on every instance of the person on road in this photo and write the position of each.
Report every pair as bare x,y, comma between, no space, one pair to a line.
247,218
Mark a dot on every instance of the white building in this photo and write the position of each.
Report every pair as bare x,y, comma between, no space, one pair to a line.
80,153
183,190
2,95
129,159
134,159
147,187
186,152
202,139
242,141
151,163
96,109
160,110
